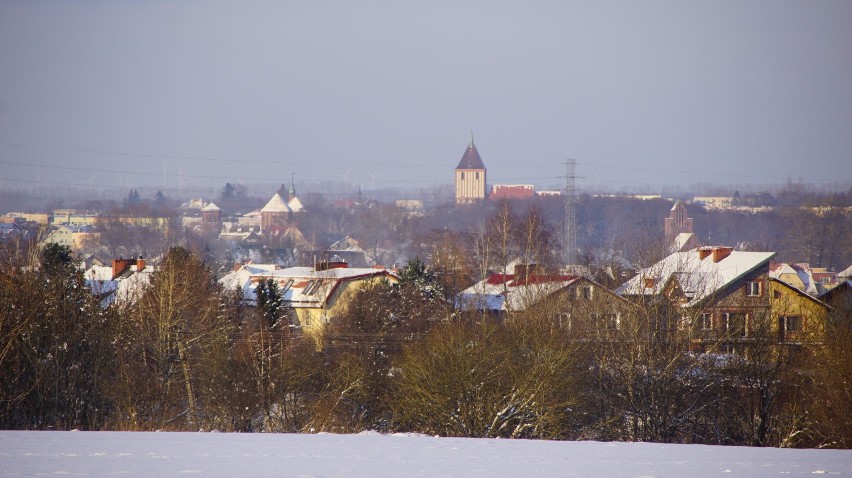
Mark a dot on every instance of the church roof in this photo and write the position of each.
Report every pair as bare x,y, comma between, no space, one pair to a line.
295,205
276,204
471,159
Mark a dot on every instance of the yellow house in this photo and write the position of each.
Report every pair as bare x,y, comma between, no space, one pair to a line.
81,238
61,235
317,294
796,316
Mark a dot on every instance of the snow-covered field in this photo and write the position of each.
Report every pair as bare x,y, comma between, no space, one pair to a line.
371,455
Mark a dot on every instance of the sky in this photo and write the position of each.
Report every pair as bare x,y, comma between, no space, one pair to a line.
98,93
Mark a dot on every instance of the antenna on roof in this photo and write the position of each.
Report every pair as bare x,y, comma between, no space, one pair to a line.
471,137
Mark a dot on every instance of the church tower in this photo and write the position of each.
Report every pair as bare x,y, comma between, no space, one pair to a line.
470,176
678,227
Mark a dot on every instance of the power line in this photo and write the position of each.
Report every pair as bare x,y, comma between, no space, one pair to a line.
704,174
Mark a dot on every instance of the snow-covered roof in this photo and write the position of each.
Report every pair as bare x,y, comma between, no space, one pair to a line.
697,277
502,292
276,204
125,288
802,271
194,203
295,205
346,244
210,207
300,286
680,241
512,191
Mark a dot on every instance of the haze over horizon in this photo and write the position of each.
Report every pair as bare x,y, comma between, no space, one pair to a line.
384,94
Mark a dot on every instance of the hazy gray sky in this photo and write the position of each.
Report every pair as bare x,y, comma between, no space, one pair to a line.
379,92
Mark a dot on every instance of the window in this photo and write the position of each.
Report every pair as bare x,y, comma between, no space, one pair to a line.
735,324
605,321
312,287
791,323
705,322
611,321
585,292
753,289
477,175
564,320
462,175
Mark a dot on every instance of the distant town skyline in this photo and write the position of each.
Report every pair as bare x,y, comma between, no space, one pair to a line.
380,94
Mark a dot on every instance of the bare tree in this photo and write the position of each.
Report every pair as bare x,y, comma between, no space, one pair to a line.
174,344
485,381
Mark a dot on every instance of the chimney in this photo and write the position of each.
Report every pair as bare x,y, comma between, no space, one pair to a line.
703,252
523,271
140,263
118,266
720,253
650,282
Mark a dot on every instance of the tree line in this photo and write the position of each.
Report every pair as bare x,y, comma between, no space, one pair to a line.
188,355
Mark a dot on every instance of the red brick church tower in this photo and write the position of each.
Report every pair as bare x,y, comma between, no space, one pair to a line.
678,223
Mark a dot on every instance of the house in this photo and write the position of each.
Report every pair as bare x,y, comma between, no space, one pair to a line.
512,191
211,217
350,251
714,202
814,281
120,283
799,317
470,176
250,219
193,204
549,193
61,235
839,298
74,237
11,230
574,302
316,294
725,298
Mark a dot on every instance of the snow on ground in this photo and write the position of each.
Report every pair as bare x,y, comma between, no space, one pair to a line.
375,455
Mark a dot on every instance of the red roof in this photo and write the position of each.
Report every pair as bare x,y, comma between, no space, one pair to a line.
511,191
496,279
